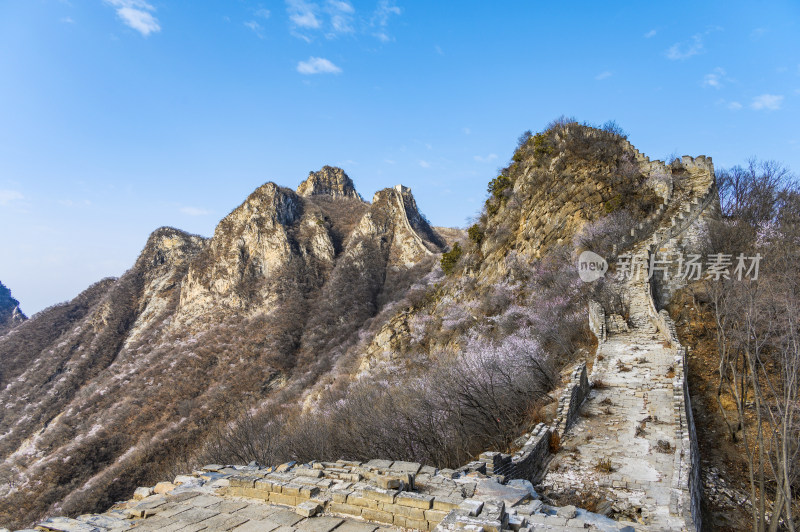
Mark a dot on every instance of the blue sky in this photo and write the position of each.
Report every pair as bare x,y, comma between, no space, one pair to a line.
120,116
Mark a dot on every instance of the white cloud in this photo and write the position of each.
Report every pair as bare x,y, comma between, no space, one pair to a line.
317,65
380,18
603,75
303,14
768,102
467,131
757,33
7,196
438,49
686,49
489,158
67,20
425,164
256,27
715,78
263,13
194,211
137,14
734,106
341,17
649,34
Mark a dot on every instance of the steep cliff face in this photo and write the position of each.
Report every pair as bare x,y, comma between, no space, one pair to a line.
10,313
135,373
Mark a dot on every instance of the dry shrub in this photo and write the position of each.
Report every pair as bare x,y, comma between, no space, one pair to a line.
555,442
604,465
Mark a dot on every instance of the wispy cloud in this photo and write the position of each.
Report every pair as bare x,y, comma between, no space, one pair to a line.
194,211
466,130
715,79
603,75
489,158
67,20
256,27
317,65
380,19
341,17
757,33
686,49
649,34
137,14
303,14
767,102
425,164
734,106
7,196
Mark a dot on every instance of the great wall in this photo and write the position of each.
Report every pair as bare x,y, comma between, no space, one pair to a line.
629,437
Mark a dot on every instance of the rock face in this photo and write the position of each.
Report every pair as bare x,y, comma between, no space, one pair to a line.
197,327
10,313
330,181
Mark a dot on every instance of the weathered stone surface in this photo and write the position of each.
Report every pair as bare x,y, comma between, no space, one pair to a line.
142,492
308,509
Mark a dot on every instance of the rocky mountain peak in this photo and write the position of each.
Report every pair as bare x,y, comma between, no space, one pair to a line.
331,181
10,313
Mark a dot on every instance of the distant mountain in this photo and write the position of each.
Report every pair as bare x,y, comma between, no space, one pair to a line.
10,313
135,372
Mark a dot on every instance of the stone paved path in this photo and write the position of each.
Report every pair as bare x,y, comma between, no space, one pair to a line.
192,511
623,445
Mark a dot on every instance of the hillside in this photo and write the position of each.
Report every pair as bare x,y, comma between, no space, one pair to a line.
316,326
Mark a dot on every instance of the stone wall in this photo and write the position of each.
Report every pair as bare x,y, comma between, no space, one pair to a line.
530,461
572,398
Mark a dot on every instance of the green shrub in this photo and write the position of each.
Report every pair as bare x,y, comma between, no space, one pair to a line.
541,145
498,185
476,234
450,259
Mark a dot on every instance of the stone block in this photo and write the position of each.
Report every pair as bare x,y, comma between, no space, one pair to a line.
309,491
319,524
415,500
304,472
163,487
568,512
471,507
446,504
379,516
406,467
386,482
266,485
412,524
280,498
291,489
380,495
357,499
379,464
308,509
347,509
435,516
141,493
340,496
405,511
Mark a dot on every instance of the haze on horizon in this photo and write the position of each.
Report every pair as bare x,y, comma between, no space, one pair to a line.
121,116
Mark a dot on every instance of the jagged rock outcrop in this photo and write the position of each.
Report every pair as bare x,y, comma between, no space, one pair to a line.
196,330
329,181
10,313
